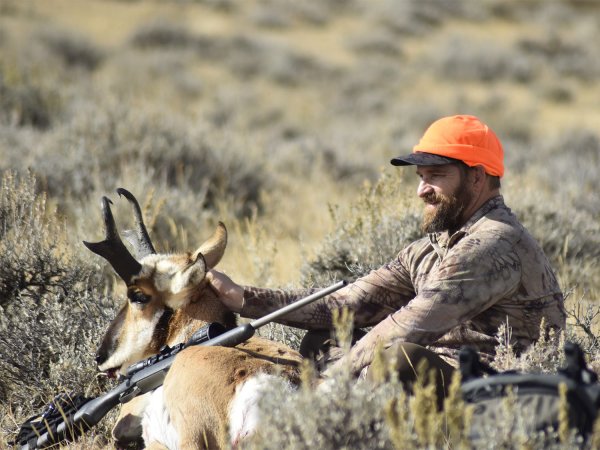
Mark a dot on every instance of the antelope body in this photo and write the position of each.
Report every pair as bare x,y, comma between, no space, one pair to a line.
208,399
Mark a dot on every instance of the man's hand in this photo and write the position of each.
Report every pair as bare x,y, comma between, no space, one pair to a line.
230,293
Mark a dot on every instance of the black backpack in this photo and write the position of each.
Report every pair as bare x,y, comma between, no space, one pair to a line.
536,396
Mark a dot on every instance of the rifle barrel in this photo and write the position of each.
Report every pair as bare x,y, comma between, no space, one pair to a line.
297,305
244,332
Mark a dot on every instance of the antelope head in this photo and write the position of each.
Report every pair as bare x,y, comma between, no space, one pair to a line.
168,297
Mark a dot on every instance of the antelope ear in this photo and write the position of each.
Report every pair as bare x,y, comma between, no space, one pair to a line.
214,247
187,278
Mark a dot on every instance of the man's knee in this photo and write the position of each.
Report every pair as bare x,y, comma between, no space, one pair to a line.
316,341
408,360
409,356
321,346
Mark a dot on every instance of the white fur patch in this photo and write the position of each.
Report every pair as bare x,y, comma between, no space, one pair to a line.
160,268
243,411
134,345
188,277
172,274
156,423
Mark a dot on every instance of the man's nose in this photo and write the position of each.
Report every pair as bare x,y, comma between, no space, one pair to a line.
424,188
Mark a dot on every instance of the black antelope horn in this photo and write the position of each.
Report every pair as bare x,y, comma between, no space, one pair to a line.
112,248
139,237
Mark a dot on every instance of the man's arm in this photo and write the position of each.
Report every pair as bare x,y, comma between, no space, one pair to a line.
466,283
371,298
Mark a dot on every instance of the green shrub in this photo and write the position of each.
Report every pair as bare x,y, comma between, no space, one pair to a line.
461,59
112,144
565,237
572,157
416,17
342,413
23,102
348,416
51,304
280,15
161,33
370,234
73,49
251,57
232,124
377,43
567,57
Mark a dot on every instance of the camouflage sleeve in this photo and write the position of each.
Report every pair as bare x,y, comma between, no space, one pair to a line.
474,275
370,298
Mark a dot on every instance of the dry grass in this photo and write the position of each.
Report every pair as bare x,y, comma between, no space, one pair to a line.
280,120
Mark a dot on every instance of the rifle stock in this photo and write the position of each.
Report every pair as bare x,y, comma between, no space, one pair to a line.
148,375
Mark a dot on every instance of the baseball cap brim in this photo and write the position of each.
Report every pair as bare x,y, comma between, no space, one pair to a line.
422,159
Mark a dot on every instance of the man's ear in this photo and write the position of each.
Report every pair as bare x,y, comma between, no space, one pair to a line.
479,177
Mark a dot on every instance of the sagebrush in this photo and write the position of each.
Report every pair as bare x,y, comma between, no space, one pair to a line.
280,120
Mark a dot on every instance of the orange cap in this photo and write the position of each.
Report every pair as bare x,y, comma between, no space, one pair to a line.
467,139
464,138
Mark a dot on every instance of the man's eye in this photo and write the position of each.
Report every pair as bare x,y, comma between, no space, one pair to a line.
139,297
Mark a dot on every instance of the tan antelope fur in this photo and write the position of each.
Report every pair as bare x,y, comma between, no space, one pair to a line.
208,399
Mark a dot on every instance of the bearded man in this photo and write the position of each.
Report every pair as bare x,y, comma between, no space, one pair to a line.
476,269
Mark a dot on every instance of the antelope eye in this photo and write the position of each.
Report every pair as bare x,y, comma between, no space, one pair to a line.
138,297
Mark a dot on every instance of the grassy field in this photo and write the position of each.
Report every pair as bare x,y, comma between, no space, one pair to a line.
278,118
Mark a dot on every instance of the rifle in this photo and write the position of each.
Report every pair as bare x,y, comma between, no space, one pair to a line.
69,416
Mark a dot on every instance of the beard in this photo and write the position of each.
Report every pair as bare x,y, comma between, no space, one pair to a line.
447,212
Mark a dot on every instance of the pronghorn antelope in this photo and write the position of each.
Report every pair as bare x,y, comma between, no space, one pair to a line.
208,399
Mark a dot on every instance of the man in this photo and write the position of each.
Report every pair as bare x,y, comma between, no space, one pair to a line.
477,268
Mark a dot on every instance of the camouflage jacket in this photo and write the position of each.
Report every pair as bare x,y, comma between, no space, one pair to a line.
442,292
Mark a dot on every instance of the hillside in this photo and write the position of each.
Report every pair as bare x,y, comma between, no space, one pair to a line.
278,118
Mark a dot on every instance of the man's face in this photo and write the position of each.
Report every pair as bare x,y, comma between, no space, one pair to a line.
446,194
